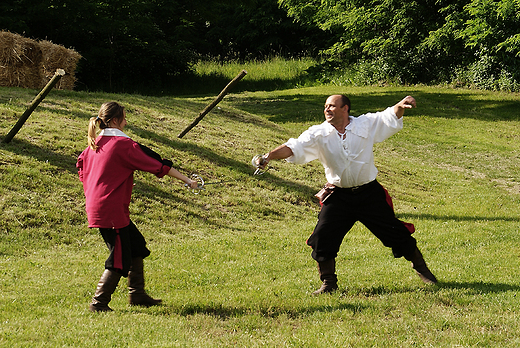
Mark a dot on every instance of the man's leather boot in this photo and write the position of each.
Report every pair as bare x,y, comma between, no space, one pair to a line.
137,295
105,288
420,267
327,271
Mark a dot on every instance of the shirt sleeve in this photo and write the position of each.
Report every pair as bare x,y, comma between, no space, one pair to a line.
155,155
146,161
384,124
305,148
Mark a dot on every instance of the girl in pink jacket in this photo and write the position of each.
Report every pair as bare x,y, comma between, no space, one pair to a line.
106,169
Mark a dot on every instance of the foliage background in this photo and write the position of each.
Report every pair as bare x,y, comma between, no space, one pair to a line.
136,45
470,42
145,45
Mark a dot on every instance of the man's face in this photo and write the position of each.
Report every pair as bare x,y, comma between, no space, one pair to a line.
334,111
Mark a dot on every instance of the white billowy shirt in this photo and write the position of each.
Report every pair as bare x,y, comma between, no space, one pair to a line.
348,162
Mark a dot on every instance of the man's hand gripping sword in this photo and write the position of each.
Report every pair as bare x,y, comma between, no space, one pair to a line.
259,162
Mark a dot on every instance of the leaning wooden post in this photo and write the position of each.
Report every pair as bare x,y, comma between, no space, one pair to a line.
214,103
37,100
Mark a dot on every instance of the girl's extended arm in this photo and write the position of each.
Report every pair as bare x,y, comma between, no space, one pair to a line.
178,175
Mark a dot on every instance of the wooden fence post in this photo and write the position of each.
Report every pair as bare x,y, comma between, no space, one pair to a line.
36,101
214,103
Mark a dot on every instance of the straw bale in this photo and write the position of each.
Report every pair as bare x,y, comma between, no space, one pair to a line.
20,61
58,57
31,64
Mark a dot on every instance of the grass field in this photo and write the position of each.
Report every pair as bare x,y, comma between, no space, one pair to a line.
231,264
209,77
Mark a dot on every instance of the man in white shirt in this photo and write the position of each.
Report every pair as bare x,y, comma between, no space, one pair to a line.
344,145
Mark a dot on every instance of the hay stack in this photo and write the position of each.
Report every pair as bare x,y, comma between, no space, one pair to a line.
20,61
58,57
31,64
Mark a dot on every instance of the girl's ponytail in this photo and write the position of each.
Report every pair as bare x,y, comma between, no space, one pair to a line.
92,133
107,112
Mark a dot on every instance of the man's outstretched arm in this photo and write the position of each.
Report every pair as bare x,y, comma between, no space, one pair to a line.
407,103
281,152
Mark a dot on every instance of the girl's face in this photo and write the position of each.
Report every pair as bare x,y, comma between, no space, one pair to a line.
120,125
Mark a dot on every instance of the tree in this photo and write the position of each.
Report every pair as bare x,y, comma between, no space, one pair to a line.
418,41
489,32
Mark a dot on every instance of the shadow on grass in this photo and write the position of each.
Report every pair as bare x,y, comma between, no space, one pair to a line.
355,305
379,290
25,148
355,297
477,288
405,216
224,312
471,288
213,84
441,103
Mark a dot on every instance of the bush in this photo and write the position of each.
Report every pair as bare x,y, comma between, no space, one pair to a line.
489,73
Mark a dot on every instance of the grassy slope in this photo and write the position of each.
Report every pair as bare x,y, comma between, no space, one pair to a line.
231,263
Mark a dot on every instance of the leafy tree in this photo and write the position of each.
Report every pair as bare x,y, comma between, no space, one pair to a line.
418,41
488,31
388,32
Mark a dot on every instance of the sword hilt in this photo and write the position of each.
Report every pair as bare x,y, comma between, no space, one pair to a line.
258,161
200,184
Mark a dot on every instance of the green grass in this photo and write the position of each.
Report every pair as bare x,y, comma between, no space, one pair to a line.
231,263
210,77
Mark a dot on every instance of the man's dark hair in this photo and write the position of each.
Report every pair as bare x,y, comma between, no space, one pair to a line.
345,101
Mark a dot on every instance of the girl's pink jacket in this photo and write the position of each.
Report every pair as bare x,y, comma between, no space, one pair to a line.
107,177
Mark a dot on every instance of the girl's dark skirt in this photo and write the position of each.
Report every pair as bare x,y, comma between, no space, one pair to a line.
124,244
372,206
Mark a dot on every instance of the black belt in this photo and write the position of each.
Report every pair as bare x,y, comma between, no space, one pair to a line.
357,189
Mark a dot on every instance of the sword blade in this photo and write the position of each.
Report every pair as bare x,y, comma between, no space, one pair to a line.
218,182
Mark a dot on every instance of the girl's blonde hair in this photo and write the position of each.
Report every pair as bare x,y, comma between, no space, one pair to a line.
107,112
